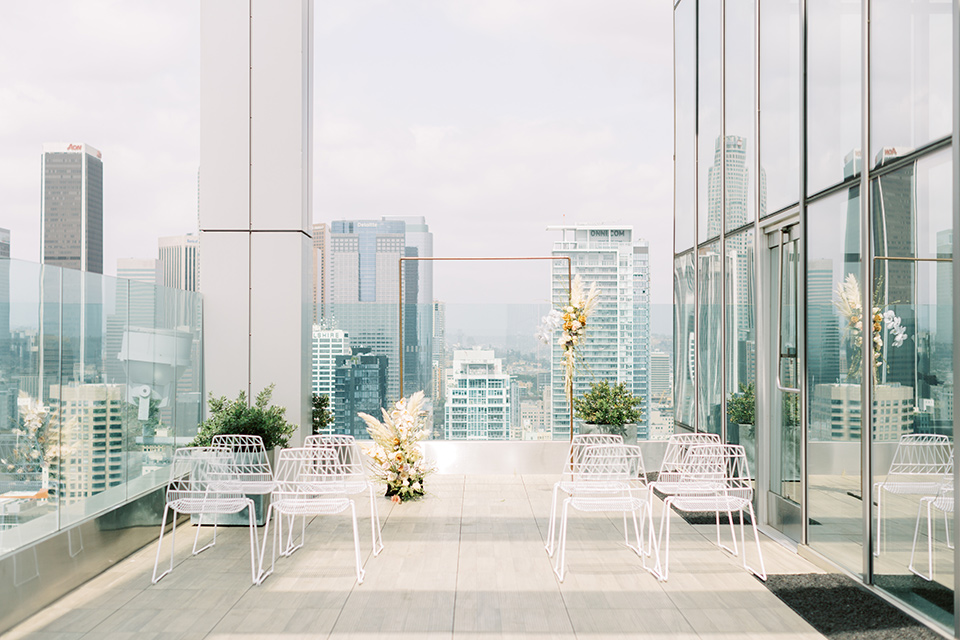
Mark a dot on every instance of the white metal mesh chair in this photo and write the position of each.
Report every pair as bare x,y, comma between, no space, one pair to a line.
310,482
677,447
921,465
249,461
606,478
943,502
712,477
565,484
354,476
203,482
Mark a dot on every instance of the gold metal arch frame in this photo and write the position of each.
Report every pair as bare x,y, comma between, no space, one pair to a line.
486,259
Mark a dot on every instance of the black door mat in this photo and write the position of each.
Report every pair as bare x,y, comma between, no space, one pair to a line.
840,609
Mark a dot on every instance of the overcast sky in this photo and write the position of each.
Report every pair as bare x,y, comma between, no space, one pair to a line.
491,118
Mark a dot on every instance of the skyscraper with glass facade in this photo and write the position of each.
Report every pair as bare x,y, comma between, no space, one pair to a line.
617,347
71,223
849,138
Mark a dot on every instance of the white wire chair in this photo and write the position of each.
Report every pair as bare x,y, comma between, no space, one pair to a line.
203,482
249,461
943,502
310,482
712,477
606,478
922,464
677,447
565,484
354,476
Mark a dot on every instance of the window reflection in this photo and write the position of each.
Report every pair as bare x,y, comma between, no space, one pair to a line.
741,343
833,91
779,105
910,71
709,142
740,108
684,338
685,61
709,308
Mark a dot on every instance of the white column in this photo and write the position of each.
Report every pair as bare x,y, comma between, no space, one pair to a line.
255,199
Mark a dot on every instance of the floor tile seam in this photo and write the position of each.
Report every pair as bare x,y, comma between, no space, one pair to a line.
353,587
566,607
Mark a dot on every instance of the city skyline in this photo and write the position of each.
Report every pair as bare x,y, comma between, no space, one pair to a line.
489,158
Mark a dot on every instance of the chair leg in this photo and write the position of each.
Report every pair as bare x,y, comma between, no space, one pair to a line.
756,537
375,524
356,542
734,551
278,517
197,537
254,569
551,529
173,539
913,550
946,524
559,566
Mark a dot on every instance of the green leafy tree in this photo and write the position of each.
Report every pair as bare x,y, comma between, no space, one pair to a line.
322,416
237,417
612,406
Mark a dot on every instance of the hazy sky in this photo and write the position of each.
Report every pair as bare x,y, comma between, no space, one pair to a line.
491,118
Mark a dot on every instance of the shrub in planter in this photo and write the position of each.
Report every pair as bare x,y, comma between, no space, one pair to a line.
610,407
236,417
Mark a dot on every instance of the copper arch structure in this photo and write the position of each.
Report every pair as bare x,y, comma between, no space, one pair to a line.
400,298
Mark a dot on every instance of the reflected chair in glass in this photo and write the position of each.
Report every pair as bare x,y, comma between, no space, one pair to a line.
354,476
607,478
921,465
712,477
202,481
310,482
942,502
565,484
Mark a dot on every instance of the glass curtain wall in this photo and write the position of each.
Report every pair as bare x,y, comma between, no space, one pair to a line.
100,379
811,124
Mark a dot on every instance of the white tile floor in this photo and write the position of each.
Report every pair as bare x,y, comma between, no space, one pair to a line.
465,562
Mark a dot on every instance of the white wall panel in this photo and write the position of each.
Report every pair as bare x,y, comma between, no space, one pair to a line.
224,115
281,319
277,136
224,262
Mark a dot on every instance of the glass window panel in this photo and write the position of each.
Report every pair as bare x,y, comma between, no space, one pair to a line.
741,341
685,68
740,96
29,436
684,341
709,77
910,74
913,380
779,105
709,308
833,92
833,381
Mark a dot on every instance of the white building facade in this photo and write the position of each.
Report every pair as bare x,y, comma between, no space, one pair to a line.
477,404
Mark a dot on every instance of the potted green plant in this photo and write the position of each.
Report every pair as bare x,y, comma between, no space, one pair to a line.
238,417
609,409
741,413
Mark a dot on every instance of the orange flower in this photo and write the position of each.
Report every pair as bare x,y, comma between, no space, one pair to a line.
395,498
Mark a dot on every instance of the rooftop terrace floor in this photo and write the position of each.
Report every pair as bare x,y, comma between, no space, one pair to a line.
465,562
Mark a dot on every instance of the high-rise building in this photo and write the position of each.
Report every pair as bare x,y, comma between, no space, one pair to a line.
363,290
320,235
180,261
822,321
92,427
4,243
327,345
71,224
478,398
360,385
617,347
140,269
661,375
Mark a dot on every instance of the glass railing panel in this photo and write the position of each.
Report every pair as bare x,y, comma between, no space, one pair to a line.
71,436
483,370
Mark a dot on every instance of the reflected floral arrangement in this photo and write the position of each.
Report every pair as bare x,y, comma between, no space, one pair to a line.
882,319
39,442
397,451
